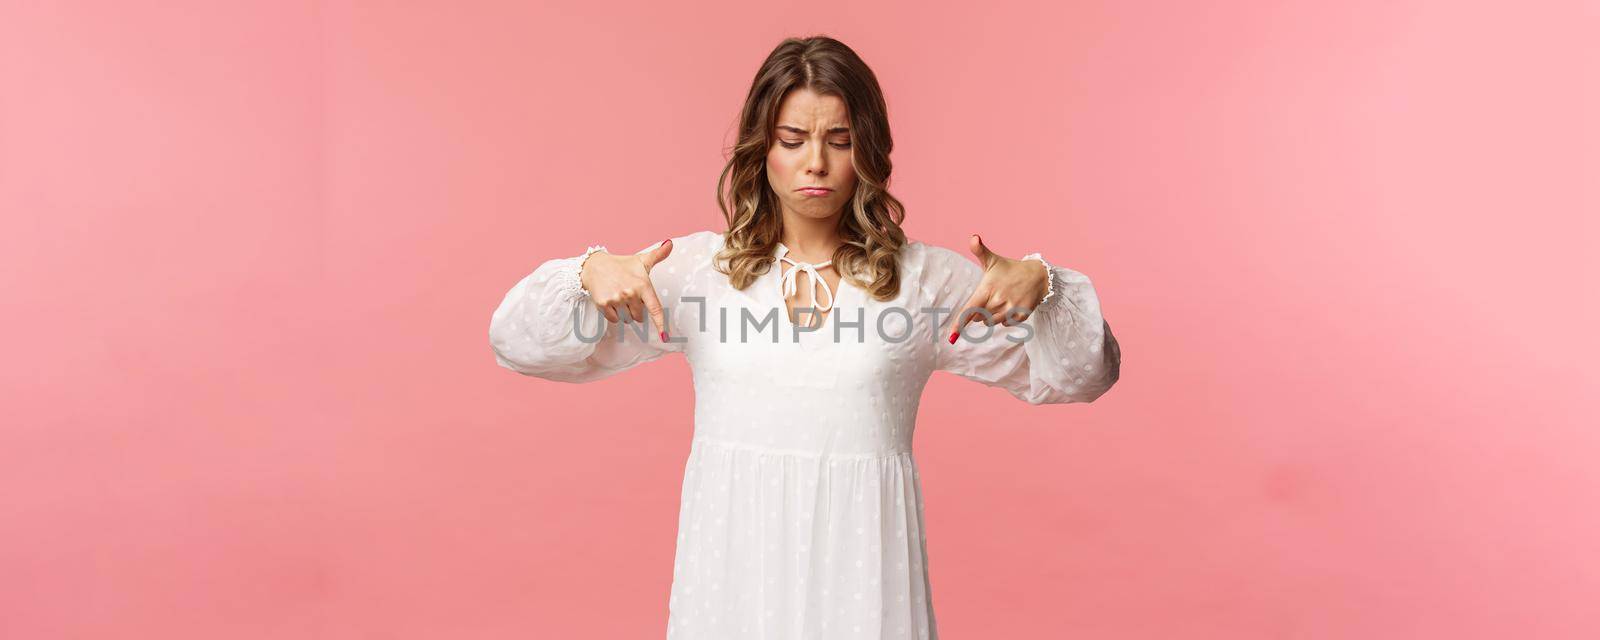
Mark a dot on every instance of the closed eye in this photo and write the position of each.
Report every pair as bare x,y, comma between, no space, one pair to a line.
796,145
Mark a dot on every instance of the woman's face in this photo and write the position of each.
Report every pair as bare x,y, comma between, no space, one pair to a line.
811,148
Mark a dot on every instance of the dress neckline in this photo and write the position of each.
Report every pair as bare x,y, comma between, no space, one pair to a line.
847,292
783,250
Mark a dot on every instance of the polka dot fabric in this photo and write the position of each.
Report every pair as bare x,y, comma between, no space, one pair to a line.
807,524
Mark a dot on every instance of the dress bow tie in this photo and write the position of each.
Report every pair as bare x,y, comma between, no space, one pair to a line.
789,284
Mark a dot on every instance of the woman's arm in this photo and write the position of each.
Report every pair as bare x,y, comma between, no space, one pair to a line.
1064,352
547,326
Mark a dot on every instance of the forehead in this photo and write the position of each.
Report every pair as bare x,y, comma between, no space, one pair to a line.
806,108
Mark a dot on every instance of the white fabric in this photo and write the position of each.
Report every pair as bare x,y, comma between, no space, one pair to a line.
584,259
790,286
807,524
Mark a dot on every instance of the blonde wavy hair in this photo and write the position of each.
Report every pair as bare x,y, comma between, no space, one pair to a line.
869,225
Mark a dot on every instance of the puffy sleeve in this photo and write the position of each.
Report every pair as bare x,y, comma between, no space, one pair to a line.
1064,352
547,326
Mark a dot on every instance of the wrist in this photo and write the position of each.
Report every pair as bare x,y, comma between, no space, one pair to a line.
588,253
1049,278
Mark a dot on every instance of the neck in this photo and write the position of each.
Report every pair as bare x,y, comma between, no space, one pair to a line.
809,238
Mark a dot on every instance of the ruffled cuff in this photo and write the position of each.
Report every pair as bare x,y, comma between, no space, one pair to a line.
1049,283
568,280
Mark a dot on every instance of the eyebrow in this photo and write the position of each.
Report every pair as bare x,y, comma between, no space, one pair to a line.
805,133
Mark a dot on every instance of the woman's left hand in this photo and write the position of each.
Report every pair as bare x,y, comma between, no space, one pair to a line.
1009,291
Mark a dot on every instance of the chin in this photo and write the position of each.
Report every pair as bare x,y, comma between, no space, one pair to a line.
817,207
818,212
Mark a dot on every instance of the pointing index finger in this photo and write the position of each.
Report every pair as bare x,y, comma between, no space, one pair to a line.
652,304
962,316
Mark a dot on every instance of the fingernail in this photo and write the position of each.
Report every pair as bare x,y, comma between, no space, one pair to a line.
953,335
663,336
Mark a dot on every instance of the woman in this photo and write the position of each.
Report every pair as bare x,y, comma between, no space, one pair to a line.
801,511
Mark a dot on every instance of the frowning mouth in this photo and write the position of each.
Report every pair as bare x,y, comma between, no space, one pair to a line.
815,191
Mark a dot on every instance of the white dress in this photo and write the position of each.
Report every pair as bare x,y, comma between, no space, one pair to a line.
806,524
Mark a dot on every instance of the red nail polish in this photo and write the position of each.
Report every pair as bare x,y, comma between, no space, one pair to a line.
663,336
953,335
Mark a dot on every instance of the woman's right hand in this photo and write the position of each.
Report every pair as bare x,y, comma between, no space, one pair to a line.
621,284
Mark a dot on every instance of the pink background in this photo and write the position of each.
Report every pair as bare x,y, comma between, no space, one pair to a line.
251,252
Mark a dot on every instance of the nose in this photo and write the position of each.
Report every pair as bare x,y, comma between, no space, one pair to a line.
817,164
